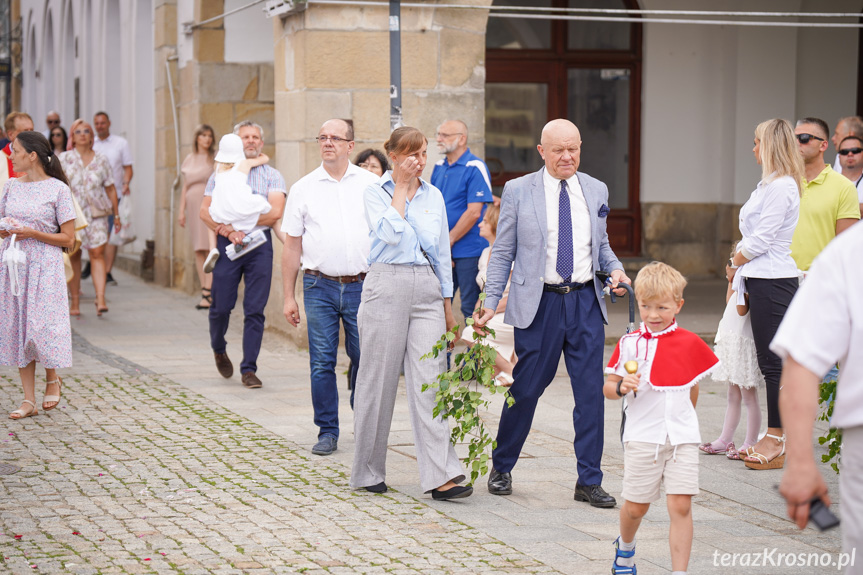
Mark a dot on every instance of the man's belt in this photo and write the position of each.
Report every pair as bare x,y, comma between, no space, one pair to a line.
340,279
567,287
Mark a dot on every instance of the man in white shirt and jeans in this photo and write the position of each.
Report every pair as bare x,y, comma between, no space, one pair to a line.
824,324
116,149
327,232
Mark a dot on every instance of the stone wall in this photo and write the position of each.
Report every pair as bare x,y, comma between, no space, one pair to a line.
694,238
333,62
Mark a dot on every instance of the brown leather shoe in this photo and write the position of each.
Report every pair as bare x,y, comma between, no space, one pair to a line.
251,380
224,365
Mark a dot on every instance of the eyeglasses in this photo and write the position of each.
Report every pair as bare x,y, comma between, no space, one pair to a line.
84,131
52,121
367,165
447,136
804,138
853,151
333,139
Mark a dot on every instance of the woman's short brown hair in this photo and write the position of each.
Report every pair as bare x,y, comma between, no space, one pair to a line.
405,140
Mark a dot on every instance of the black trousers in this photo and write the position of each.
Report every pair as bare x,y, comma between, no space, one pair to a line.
768,301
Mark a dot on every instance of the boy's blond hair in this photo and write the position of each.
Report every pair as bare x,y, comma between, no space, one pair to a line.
658,280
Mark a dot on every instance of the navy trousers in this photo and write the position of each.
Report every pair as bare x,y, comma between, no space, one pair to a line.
572,324
256,269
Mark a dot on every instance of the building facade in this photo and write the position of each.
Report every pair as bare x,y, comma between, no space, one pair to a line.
667,110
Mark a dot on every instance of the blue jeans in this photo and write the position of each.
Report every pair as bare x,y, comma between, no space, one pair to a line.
327,301
256,270
464,281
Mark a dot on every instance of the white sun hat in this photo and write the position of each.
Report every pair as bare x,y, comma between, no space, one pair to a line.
230,150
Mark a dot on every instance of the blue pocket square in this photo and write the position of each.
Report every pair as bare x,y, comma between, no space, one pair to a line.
603,211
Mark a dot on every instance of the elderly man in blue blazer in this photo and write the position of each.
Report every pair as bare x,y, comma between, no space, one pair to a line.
552,235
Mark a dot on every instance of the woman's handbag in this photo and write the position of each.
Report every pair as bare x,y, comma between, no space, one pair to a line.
80,224
15,259
100,205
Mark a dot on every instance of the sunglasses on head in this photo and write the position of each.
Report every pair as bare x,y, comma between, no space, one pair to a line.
805,138
853,151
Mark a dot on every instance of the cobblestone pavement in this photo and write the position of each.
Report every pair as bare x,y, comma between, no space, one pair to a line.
134,474
219,478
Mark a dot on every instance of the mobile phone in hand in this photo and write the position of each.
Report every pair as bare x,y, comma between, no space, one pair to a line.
821,516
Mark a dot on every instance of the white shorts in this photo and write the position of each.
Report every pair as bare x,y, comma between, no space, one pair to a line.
648,465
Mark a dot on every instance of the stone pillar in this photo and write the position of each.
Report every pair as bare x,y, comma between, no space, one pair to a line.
333,62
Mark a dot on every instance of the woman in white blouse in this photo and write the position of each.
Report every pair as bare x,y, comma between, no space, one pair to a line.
763,269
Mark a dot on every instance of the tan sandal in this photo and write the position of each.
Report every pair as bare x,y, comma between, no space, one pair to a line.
55,399
21,414
761,461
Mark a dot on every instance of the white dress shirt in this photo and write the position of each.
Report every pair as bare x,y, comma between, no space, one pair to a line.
329,215
824,323
582,269
767,222
653,416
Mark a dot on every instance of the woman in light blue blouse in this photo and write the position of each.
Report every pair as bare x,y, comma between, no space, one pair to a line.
405,308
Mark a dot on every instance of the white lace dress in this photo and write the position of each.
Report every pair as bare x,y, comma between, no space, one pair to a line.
735,348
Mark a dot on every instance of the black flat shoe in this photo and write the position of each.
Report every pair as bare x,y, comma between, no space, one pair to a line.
379,488
595,495
499,483
456,492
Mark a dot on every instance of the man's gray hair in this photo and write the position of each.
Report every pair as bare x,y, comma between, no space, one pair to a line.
247,124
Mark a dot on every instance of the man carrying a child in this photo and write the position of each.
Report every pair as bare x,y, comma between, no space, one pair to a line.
254,267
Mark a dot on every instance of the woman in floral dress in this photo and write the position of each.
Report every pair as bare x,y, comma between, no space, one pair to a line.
34,326
92,184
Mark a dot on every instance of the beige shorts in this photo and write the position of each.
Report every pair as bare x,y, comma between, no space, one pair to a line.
644,469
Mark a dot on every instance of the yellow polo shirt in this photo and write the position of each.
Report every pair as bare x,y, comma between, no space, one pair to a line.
826,199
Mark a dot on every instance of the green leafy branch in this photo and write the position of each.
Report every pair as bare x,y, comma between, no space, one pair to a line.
459,395
833,437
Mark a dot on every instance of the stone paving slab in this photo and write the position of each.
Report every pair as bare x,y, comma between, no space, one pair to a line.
154,338
135,474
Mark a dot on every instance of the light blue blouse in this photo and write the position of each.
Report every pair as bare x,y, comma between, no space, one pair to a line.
397,240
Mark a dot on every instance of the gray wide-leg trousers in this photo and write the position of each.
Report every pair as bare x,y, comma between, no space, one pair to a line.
400,318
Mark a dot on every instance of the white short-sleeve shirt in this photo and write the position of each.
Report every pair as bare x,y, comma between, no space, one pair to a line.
119,155
329,215
824,323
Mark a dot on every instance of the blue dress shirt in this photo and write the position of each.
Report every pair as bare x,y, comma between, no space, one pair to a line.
397,240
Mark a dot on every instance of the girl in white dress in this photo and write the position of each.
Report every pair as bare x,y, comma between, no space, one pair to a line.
738,367
233,201
504,338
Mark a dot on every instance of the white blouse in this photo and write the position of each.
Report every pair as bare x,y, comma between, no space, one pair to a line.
767,222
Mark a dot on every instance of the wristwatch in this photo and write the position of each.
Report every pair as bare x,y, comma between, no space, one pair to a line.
731,264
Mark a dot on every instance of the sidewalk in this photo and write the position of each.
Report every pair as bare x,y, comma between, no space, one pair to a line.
145,398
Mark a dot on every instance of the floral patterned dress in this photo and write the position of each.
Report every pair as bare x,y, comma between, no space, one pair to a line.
88,185
35,325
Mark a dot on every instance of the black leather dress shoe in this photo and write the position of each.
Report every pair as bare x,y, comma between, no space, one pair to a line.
499,483
224,365
595,495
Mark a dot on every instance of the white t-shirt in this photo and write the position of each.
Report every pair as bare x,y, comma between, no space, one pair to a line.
582,269
329,215
116,149
824,323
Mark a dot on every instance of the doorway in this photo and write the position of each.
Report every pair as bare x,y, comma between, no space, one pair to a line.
589,72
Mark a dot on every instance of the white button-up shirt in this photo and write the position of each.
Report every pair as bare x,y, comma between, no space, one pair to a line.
329,215
824,323
582,269
653,416
767,222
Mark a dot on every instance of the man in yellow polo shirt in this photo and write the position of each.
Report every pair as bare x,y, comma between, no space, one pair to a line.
829,202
